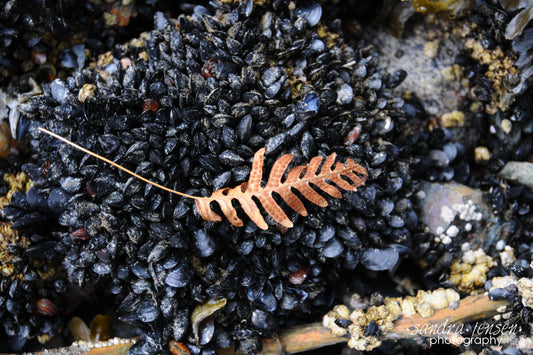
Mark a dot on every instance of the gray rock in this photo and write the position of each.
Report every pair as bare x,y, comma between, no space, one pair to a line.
442,205
518,171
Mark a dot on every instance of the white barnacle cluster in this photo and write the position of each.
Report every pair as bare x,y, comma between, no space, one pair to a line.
329,320
357,323
465,212
426,302
507,256
525,290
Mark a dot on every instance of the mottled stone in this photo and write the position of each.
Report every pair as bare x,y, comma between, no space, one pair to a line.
520,172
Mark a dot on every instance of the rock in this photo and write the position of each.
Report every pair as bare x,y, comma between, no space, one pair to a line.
440,204
520,172
445,205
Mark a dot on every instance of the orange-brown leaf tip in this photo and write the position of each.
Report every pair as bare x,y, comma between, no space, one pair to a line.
263,226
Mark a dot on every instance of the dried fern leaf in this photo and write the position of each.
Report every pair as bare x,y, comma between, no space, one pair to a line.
246,192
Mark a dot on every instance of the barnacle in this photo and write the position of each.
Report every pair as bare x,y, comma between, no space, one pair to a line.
470,273
17,183
452,119
338,312
365,327
86,92
500,67
9,238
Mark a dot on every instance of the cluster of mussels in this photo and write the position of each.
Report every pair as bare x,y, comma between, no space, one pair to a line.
477,156
509,139
187,106
30,280
57,33
491,127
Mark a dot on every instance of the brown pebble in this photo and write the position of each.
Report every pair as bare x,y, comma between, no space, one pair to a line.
177,348
297,277
352,136
151,105
45,307
39,57
206,69
44,168
80,234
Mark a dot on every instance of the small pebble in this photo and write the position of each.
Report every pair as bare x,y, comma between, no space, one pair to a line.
482,155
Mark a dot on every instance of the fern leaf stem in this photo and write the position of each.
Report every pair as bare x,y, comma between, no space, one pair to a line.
87,151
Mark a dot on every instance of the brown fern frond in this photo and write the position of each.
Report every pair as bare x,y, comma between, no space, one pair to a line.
354,173
245,192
